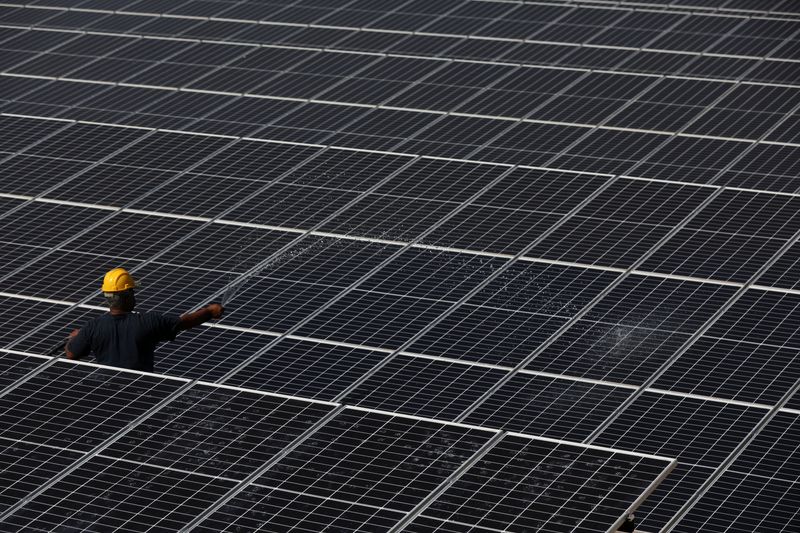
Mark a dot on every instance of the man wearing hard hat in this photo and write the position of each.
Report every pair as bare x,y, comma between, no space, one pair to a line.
125,338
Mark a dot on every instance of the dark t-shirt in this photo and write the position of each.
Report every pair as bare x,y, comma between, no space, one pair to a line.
125,341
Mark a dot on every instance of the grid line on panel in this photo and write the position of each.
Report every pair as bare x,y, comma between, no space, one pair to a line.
97,449
40,197
708,324
22,151
444,485
393,31
426,58
688,8
580,138
461,362
742,403
258,472
452,159
77,36
420,246
573,320
360,280
315,100
433,58
615,283
494,275
671,7
150,193
101,221
258,267
697,495
405,55
24,379
133,143
208,156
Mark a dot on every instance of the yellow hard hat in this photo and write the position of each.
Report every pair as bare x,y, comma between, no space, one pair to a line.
118,280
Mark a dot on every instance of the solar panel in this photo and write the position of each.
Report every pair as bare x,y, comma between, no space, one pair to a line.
488,266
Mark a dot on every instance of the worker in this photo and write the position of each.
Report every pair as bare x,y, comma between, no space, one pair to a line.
125,338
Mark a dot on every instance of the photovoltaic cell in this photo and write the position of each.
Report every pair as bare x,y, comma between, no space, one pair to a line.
169,151
738,501
16,255
391,214
773,453
113,185
55,65
767,167
87,142
548,407
249,247
218,432
207,354
783,272
636,327
24,467
691,159
33,224
405,459
491,230
760,317
291,206
306,368
327,261
738,370
617,102
487,335
670,495
32,175
18,317
374,319
416,386
260,507
695,431
44,341
82,277
608,151
520,484
16,366
539,287
508,319
622,223
133,235
77,407
432,274
120,495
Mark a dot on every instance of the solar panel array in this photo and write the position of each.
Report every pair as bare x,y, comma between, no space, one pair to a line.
489,265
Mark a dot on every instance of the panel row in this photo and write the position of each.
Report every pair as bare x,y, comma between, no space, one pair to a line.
183,457
345,24
370,195
652,155
617,100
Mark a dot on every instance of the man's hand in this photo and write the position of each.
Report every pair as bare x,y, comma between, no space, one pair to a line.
204,314
72,334
216,310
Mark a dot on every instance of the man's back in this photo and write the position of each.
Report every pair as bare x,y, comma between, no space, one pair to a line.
125,340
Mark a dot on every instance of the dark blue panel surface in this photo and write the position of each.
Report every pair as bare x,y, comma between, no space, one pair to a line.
218,432
306,368
408,459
